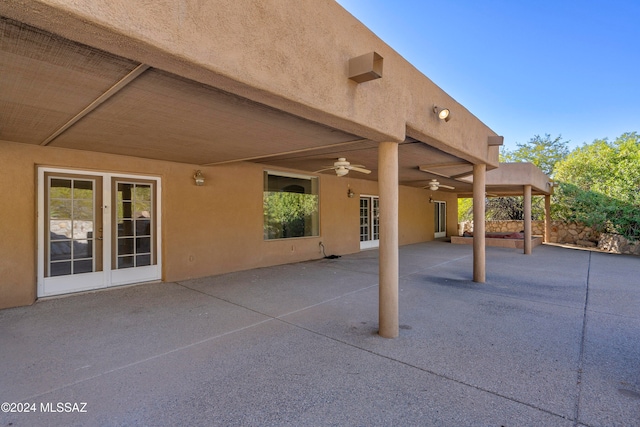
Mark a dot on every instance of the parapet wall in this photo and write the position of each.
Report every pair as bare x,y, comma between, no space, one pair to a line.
566,233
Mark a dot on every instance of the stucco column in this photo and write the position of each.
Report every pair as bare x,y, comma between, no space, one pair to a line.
527,220
388,270
479,257
547,218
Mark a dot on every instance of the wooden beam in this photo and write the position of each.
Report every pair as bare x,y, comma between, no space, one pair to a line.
135,73
284,153
428,168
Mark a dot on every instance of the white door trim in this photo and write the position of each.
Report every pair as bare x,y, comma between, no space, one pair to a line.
438,234
370,244
107,277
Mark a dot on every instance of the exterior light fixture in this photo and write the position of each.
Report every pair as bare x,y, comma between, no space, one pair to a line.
442,113
350,193
198,178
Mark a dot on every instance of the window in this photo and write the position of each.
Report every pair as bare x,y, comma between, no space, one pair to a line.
290,205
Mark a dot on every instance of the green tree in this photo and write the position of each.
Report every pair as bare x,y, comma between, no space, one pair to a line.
609,168
543,152
289,214
465,209
600,185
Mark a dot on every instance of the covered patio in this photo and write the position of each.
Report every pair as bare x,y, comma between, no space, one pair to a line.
510,179
552,341
109,106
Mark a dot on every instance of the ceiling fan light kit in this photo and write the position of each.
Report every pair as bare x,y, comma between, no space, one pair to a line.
434,185
342,167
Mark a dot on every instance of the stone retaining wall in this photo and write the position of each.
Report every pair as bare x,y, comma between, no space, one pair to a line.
565,233
618,244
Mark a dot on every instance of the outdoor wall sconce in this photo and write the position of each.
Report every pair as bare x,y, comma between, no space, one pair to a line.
365,67
198,178
442,113
350,193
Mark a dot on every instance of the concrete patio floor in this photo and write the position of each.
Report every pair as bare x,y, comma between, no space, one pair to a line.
552,339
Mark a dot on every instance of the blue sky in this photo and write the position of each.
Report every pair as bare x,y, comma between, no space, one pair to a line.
525,68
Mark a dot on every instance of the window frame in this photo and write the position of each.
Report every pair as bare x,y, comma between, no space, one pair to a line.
314,183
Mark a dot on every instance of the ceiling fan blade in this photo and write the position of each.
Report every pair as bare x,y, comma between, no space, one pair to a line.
447,186
328,168
359,169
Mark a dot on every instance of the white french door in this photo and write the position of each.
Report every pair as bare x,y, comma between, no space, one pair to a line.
369,222
440,219
96,230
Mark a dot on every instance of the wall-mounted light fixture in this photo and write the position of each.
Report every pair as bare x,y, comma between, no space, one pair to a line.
350,193
198,178
442,113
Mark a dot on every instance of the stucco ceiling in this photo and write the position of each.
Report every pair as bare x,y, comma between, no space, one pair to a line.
49,82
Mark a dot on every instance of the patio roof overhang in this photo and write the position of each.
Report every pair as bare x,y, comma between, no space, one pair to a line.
509,179
215,82
121,79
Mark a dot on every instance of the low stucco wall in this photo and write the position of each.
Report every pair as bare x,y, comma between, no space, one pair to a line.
208,230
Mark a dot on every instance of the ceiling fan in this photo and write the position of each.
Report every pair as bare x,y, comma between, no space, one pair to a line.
435,185
342,167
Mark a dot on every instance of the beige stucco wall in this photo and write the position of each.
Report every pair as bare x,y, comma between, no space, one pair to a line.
416,214
213,229
291,58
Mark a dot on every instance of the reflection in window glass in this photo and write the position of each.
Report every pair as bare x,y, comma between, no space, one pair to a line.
290,206
135,214
71,217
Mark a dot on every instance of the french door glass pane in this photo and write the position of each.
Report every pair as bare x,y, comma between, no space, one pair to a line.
134,216
376,218
71,220
125,262
440,216
364,220
369,219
